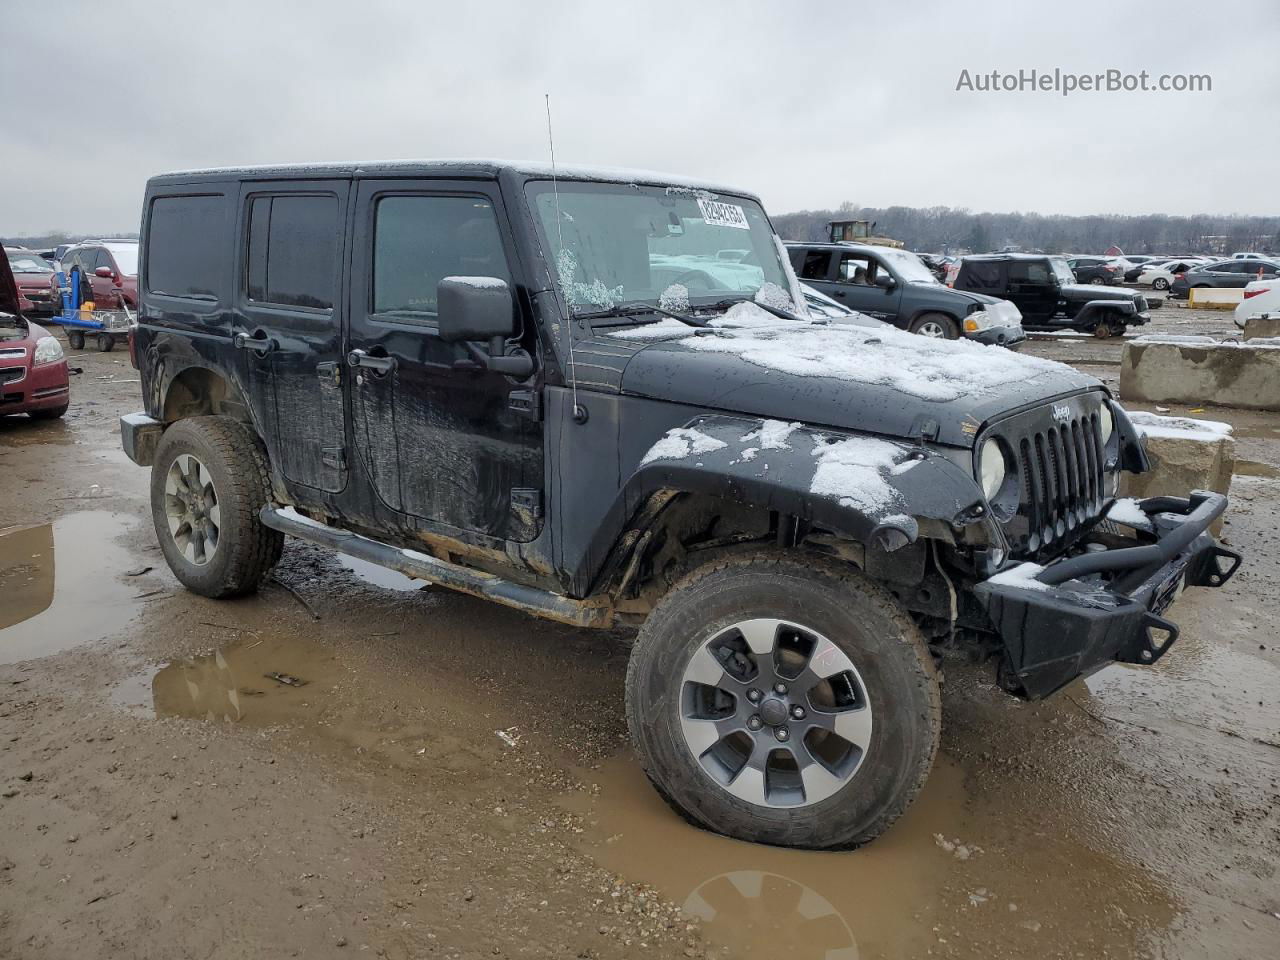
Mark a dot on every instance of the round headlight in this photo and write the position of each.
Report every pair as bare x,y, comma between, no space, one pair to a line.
991,468
1107,422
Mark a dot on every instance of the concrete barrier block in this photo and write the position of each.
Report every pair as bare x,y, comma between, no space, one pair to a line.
1201,370
1185,455
1268,327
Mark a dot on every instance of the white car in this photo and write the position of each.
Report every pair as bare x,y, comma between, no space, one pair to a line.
1245,255
1261,299
1160,275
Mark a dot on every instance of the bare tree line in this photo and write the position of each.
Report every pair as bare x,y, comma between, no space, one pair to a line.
958,230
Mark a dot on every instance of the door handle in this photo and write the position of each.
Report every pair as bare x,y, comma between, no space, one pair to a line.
260,345
361,358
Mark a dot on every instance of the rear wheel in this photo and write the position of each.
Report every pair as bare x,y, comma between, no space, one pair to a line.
937,325
1098,281
75,339
786,702
1160,283
209,480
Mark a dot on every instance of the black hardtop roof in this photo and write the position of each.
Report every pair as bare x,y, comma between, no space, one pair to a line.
481,169
834,245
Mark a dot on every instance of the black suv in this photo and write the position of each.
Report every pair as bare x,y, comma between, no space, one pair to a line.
899,288
1046,292
600,399
1096,270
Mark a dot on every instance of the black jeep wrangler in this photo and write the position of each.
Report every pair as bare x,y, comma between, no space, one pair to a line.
1046,291
599,398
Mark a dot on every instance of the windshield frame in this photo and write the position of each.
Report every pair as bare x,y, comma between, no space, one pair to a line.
766,247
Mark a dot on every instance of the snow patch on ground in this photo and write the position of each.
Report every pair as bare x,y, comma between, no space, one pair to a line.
854,471
680,443
1179,428
1023,575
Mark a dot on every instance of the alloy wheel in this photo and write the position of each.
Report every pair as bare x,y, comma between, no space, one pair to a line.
931,328
191,507
775,713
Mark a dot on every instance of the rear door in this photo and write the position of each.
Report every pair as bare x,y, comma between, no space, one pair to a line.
288,322
441,438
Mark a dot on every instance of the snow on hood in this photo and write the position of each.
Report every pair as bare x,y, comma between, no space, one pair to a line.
930,369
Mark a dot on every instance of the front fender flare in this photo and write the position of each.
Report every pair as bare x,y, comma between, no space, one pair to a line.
872,490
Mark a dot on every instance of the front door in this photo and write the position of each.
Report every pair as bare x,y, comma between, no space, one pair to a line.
855,286
288,323
439,437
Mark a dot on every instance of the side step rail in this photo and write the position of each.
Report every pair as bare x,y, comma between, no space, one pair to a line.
532,600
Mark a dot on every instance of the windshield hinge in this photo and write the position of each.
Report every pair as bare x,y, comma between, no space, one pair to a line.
925,429
527,403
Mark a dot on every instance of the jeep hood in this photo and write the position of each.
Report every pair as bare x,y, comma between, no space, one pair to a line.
1084,292
881,381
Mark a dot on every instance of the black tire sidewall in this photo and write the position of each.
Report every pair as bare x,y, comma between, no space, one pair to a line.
220,576
856,615
75,341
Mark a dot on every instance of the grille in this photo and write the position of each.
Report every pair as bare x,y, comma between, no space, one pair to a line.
1061,467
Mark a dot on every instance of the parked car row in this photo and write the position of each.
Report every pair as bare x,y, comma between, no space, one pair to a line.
1233,273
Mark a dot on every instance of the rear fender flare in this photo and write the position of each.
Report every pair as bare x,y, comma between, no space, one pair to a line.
1098,309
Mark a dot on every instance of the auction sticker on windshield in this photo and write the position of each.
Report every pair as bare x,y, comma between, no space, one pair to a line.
723,214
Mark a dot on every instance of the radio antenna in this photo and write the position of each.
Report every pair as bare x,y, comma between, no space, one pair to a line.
579,414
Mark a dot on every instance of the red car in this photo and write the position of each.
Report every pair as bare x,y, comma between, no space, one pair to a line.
37,288
111,266
33,371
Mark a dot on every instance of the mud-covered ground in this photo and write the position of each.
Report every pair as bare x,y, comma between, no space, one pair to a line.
430,775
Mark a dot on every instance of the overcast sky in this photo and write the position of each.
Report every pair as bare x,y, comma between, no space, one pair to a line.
807,104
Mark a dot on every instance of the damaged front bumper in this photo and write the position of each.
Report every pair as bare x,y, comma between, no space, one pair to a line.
1107,605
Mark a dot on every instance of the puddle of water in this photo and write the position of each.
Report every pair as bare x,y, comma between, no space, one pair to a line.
61,587
1004,880
235,684
380,576
1252,468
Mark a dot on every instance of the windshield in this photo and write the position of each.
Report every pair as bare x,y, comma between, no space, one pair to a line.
907,265
1061,272
664,246
28,263
126,255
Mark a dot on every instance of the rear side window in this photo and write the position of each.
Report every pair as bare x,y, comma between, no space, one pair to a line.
418,241
982,275
293,248
1028,271
815,264
185,243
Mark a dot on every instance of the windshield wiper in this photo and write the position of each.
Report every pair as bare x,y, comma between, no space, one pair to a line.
768,308
625,309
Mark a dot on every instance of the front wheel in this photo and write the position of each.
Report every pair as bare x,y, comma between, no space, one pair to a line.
784,701
105,342
936,325
75,340
208,482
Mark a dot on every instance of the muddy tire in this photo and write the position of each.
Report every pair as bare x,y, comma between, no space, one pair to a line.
784,701
106,342
209,480
937,325
75,340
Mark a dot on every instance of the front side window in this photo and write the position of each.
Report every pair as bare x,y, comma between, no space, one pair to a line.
185,246
418,241
293,245
982,275
611,244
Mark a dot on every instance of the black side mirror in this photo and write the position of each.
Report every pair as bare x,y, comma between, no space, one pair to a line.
885,282
478,309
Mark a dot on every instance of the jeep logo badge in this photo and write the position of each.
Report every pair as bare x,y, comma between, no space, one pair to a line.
1061,412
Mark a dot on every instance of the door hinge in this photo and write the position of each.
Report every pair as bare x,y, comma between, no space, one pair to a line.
527,403
527,500
330,370
333,457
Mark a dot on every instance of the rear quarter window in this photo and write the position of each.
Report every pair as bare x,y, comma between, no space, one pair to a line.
186,246
980,275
